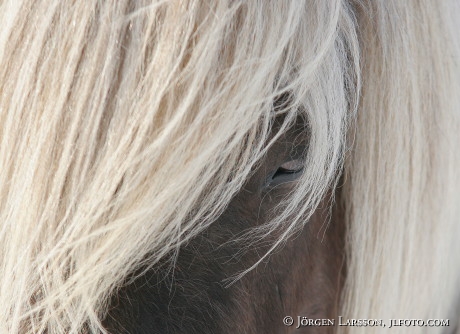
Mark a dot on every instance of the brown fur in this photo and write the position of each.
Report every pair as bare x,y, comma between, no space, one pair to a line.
303,278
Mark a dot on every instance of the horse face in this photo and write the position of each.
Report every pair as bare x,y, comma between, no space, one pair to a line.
301,279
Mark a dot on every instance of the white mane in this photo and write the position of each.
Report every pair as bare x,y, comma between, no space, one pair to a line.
127,126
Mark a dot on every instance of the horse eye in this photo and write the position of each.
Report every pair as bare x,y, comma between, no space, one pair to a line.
287,172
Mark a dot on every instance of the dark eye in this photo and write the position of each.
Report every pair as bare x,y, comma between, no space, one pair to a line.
287,172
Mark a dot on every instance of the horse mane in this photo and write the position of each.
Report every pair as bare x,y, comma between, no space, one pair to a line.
403,194
127,126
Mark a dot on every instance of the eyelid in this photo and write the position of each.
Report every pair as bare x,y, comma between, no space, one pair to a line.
289,171
292,166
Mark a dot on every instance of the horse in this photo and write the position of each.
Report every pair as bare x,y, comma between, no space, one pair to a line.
194,298
188,166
